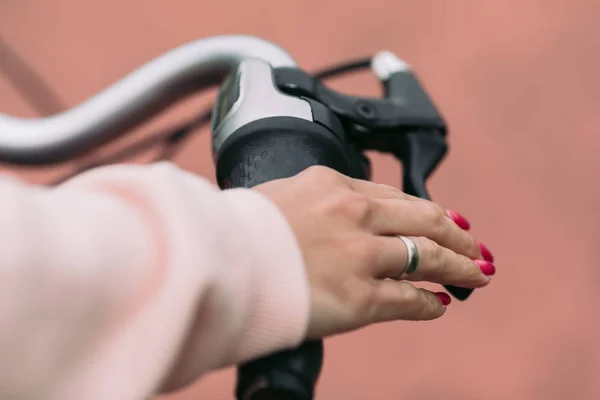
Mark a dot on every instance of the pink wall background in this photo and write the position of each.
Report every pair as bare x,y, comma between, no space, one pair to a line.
518,82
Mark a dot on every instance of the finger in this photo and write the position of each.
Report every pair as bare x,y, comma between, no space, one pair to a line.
437,264
403,301
380,191
421,218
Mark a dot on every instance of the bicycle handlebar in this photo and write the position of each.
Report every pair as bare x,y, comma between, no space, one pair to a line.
132,100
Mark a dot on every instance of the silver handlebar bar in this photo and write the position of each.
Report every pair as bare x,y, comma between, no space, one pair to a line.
132,100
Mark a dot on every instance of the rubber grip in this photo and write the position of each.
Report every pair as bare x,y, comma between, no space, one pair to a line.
275,148
262,151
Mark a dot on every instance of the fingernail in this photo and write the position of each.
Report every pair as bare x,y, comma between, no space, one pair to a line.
459,220
486,267
444,298
486,253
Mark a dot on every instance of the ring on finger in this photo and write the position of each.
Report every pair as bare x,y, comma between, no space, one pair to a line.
412,254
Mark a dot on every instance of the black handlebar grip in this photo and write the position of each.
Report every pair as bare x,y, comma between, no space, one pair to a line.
275,148
261,151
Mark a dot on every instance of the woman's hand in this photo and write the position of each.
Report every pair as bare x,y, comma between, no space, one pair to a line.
356,265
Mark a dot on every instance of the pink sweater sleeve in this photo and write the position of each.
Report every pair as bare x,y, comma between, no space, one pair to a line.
128,280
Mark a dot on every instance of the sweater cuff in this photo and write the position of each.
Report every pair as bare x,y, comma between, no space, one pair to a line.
281,299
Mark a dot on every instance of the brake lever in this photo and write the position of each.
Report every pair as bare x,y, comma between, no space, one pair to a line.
419,152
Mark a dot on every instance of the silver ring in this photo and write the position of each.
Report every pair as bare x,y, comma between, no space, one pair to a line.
412,257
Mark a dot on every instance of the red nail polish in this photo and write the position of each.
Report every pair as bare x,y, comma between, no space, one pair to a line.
486,253
486,267
444,298
459,220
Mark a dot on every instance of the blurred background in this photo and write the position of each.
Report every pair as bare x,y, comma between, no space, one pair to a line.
518,83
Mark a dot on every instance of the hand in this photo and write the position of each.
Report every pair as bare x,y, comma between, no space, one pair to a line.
356,265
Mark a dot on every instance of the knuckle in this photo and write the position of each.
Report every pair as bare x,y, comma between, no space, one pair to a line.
436,216
367,304
425,305
362,299
471,248
316,169
410,295
392,192
433,252
362,251
321,172
353,205
440,265
420,304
